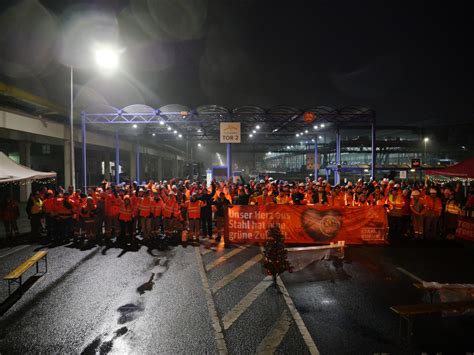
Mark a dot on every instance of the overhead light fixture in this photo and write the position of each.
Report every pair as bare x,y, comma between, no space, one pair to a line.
257,127
320,137
250,135
306,131
106,57
153,134
254,131
322,125
297,134
287,147
162,122
199,145
315,126
199,130
180,135
175,132
135,126
169,128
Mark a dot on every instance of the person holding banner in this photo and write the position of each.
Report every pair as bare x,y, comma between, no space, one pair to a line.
220,206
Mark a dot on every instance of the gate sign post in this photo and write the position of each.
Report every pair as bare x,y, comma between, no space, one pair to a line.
230,132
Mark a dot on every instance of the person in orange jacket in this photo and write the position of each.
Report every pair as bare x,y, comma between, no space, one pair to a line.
157,213
87,214
126,220
432,213
112,210
64,214
193,207
171,211
145,215
49,209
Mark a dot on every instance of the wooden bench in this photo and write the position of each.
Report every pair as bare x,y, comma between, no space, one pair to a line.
408,312
15,276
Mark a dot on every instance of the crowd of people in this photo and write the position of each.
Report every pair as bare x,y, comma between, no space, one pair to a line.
190,210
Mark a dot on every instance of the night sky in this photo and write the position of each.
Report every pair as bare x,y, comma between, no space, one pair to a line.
410,61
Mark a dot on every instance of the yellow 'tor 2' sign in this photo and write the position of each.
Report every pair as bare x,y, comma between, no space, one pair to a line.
230,132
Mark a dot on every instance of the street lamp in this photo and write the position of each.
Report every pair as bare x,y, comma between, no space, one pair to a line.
425,140
107,59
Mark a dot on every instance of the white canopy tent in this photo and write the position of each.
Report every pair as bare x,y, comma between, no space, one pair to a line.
10,171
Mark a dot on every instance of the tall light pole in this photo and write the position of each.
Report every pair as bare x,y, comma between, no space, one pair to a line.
71,123
107,59
425,140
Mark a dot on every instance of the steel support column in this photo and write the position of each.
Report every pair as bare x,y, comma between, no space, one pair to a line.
337,177
117,158
138,162
374,151
84,152
316,159
229,162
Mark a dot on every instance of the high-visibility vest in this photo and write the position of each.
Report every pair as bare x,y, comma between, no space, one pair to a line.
282,200
434,207
169,209
87,213
62,211
194,209
112,205
144,207
156,208
37,206
396,202
49,206
126,213
263,200
452,207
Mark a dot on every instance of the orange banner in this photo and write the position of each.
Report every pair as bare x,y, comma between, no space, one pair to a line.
308,224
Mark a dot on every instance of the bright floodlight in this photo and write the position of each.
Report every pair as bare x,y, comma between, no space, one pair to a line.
175,132
153,134
180,135
135,126
322,125
162,123
306,131
106,58
315,126
169,128
250,135
199,145
287,147
297,134
257,127
426,139
254,131
320,137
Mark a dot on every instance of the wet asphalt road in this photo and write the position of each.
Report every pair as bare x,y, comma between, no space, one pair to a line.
107,300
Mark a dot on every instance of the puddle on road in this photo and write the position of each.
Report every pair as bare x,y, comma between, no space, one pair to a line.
129,312
147,286
104,347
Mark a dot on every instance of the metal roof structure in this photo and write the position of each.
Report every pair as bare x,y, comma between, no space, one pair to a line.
202,123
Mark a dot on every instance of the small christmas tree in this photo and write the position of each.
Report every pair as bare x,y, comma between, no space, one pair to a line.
275,259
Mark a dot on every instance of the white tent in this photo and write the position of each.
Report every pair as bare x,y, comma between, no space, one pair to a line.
11,171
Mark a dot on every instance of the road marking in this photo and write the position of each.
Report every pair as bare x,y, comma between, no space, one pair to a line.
273,339
298,320
245,303
218,335
234,274
205,252
223,258
409,274
14,251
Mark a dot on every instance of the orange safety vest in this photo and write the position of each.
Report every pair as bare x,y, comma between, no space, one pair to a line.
157,208
170,208
144,207
126,213
338,200
433,207
49,206
86,213
194,209
112,205
62,211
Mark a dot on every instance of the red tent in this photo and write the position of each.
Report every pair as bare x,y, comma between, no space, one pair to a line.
463,170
